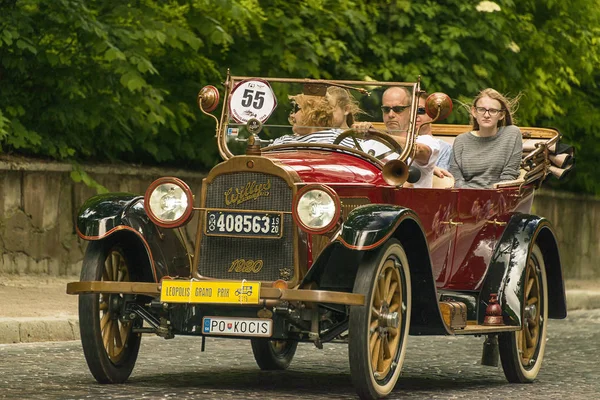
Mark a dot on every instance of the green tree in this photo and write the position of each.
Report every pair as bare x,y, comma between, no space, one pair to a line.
94,80
99,80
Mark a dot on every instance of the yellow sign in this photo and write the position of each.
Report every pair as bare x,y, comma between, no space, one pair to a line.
180,291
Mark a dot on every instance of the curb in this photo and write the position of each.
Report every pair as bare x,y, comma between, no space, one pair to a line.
28,330
578,299
48,329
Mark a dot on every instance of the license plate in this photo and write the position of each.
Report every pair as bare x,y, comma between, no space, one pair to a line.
231,292
260,327
254,224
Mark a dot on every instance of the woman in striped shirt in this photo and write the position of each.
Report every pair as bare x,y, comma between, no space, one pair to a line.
335,112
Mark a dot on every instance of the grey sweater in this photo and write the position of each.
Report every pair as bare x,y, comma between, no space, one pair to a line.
479,162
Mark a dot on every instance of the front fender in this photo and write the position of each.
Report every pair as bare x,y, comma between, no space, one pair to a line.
506,273
101,214
369,226
107,214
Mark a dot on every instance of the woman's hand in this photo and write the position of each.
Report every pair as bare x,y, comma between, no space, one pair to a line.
441,173
362,127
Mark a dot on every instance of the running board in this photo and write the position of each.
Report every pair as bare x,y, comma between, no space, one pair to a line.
485,329
454,314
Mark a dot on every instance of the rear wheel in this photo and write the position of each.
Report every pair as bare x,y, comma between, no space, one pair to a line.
273,354
378,331
522,352
109,345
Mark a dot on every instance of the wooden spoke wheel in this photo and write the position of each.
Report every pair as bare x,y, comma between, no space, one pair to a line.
522,352
378,331
109,345
273,354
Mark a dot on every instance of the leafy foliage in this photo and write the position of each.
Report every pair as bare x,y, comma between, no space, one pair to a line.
97,80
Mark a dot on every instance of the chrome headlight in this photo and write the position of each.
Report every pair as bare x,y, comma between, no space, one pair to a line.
316,209
169,202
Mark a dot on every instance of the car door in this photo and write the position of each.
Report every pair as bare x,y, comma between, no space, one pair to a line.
477,232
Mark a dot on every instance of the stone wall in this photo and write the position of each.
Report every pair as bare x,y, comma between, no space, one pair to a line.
576,222
39,203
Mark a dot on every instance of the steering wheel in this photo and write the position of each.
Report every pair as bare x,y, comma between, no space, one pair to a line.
371,133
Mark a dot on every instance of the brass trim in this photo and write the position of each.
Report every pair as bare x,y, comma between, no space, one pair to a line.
481,329
313,296
495,222
240,164
455,130
451,223
126,228
143,288
323,81
266,293
239,209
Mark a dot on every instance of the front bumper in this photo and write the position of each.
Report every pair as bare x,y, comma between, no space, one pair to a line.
267,294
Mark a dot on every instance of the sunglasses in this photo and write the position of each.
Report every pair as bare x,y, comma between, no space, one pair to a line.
399,109
396,109
295,108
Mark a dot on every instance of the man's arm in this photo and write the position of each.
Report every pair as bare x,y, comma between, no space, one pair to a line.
422,153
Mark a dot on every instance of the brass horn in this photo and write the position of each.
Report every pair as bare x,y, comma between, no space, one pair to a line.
395,172
559,173
560,160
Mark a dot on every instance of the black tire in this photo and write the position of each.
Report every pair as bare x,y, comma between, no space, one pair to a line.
109,345
273,354
376,349
522,352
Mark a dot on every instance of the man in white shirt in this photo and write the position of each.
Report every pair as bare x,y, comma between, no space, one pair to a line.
396,113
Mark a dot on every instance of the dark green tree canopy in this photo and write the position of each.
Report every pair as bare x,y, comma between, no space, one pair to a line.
107,80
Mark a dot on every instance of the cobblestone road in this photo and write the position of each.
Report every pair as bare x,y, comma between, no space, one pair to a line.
435,368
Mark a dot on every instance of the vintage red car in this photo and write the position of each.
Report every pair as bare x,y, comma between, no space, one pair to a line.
314,242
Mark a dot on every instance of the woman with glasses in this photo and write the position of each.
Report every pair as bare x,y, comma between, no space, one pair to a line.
491,152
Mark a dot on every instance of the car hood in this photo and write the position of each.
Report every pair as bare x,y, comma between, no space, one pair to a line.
329,167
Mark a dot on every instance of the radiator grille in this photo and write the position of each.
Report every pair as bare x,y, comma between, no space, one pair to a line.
218,253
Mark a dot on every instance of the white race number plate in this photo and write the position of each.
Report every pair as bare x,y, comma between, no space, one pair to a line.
252,98
258,327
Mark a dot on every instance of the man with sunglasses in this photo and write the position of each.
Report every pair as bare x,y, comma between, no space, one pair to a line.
396,116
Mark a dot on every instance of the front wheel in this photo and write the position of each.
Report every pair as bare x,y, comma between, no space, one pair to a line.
273,354
109,345
522,352
378,331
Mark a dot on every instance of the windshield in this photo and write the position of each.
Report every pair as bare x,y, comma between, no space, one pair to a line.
313,111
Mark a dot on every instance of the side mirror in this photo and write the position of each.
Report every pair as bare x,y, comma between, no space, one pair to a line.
208,98
438,106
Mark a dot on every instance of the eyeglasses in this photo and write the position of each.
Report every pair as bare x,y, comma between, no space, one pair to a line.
396,109
421,111
295,108
492,111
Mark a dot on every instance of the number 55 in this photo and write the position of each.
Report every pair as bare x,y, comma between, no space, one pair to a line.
247,98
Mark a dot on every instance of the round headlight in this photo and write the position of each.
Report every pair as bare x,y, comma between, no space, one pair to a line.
168,202
317,209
